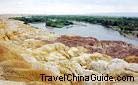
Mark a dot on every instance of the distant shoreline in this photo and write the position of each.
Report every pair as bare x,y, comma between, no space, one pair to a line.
117,14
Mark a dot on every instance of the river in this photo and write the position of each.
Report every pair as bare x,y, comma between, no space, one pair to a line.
88,30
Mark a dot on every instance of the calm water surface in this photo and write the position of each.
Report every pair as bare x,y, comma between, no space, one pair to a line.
88,30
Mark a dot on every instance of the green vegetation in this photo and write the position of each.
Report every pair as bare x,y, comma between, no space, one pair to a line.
58,23
120,23
128,25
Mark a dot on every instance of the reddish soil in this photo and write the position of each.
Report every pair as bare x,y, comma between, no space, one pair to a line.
116,49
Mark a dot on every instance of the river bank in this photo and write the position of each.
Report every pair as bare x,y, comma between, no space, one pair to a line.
128,34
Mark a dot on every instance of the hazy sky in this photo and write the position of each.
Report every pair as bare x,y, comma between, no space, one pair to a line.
67,6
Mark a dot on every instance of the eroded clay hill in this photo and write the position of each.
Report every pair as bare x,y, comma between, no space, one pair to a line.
115,49
27,52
